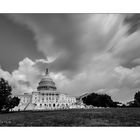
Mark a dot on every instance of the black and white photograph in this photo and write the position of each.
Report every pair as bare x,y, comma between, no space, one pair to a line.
69,69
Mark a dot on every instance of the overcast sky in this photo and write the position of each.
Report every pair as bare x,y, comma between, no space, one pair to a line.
84,52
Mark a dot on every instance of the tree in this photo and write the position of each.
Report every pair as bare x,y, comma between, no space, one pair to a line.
11,103
99,100
6,100
137,99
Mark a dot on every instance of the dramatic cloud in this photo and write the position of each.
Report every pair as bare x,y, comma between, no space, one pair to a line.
73,39
85,52
16,43
26,77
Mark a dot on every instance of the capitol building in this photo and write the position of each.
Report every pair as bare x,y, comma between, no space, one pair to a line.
46,97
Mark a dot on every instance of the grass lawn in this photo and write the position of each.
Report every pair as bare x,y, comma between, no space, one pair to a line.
75,117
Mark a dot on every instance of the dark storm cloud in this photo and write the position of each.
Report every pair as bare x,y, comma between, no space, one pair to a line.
133,20
72,38
16,43
127,48
63,30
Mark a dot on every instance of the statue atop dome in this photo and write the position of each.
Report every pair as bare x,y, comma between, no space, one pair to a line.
47,71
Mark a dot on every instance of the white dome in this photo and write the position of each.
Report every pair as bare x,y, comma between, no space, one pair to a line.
46,83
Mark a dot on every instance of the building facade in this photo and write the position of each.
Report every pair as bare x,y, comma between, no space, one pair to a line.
46,97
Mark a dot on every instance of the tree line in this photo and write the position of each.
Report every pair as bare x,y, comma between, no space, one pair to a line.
99,100
104,100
